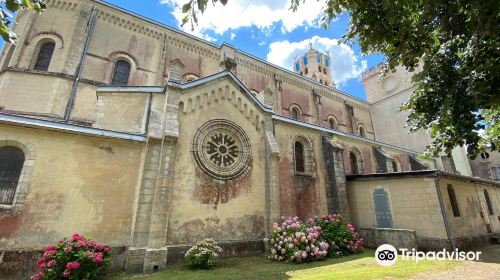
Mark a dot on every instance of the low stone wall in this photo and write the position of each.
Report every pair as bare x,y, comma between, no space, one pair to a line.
230,249
22,264
399,238
433,244
141,260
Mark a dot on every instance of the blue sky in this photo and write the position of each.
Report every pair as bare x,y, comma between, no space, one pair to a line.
268,30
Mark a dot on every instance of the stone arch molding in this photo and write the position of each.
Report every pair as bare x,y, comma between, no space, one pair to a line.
25,178
309,162
114,57
190,103
31,50
359,159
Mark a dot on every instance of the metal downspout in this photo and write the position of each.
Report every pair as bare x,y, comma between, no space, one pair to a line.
89,30
443,213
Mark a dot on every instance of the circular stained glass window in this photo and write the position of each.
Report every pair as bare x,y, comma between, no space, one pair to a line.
222,149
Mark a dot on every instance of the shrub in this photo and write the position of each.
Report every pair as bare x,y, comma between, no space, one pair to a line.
329,235
340,235
295,241
203,254
74,258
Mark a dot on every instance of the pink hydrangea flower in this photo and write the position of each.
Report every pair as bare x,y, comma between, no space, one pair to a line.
72,265
51,263
37,276
67,273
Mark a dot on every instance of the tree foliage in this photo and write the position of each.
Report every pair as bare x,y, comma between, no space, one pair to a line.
454,47
7,7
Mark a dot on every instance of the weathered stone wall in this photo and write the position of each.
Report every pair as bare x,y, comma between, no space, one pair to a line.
202,206
474,218
413,203
302,195
399,238
78,184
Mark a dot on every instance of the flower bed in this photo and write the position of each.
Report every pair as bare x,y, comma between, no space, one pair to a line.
318,238
74,258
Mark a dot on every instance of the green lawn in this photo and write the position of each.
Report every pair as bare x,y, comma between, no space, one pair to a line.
361,266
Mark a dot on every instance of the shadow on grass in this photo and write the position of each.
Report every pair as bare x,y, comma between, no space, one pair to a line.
489,253
241,268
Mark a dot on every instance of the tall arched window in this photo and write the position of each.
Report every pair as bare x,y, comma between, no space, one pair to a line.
362,132
121,73
332,123
299,157
394,166
453,201
356,161
488,202
11,165
295,113
44,56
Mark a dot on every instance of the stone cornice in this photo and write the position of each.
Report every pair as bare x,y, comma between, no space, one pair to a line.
63,5
129,23
194,47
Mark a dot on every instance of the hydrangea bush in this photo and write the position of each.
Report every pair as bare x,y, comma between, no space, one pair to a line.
74,258
203,254
318,238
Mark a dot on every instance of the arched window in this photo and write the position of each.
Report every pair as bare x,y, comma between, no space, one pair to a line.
121,73
299,157
332,123
305,60
295,113
453,201
324,70
356,161
306,71
11,165
488,202
362,132
394,166
44,56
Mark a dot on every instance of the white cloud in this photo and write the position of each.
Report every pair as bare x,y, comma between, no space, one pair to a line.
345,65
233,35
260,13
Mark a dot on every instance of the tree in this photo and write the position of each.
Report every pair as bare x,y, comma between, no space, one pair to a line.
453,45
14,6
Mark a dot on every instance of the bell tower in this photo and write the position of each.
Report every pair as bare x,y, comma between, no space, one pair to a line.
316,66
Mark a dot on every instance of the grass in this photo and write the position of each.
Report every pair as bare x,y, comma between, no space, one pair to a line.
361,266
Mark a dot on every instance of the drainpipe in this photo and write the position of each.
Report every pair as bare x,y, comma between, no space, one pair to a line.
89,30
441,205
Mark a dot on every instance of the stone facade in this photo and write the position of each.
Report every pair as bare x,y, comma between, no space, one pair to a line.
203,141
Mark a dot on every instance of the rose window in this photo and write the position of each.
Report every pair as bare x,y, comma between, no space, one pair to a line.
222,149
